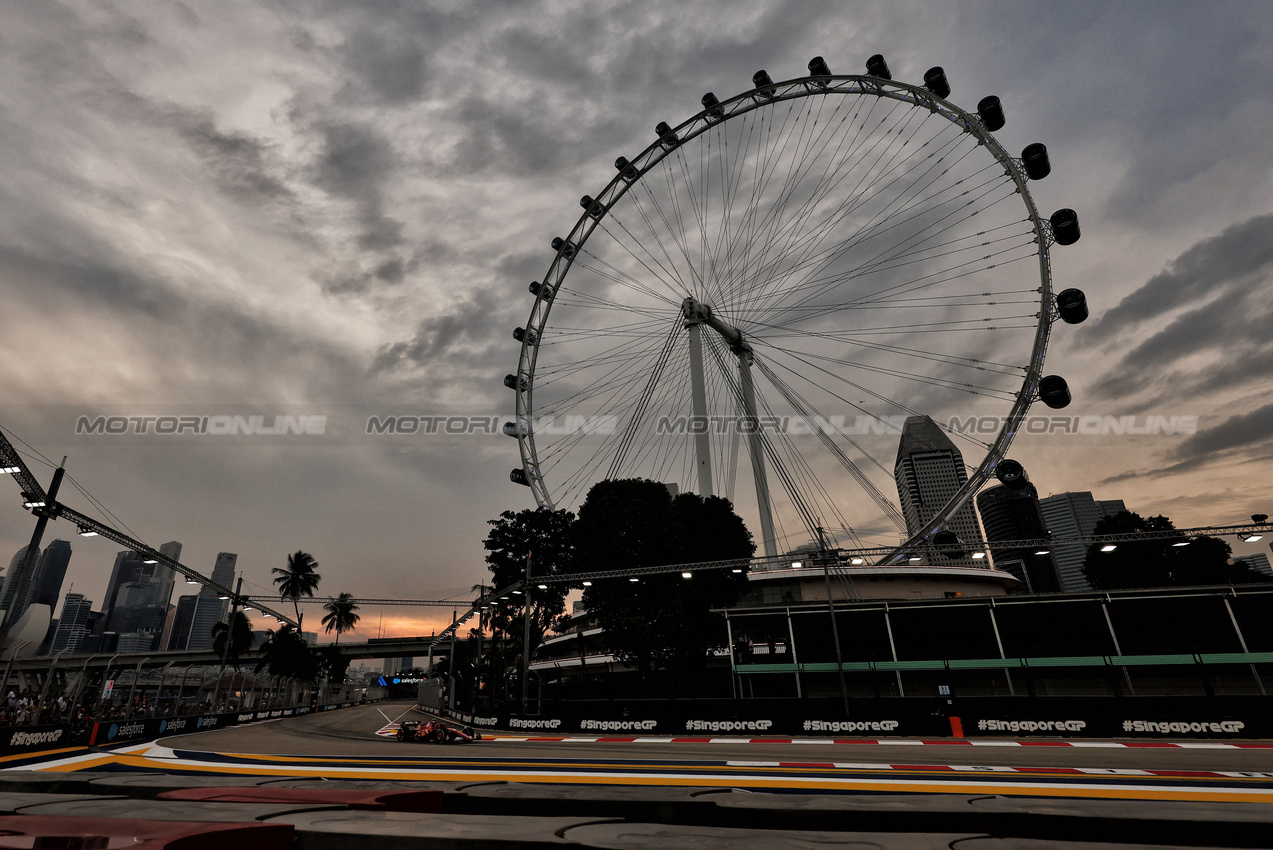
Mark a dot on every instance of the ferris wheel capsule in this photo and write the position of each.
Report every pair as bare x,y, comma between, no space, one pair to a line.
1054,392
1071,305
707,294
935,81
1035,159
990,110
1011,474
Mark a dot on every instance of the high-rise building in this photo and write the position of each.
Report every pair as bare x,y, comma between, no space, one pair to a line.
929,470
206,612
1258,562
136,605
49,574
9,590
73,625
222,572
164,576
1008,514
1075,515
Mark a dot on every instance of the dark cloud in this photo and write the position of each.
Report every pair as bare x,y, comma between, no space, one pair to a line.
1238,432
1215,341
237,161
354,160
390,64
446,341
1202,271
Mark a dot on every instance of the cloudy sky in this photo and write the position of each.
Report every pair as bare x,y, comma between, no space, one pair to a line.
288,208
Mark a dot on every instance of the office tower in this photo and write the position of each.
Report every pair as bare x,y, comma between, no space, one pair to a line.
1075,515
206,612
929,470
209,610
136,605
73,625
12,579
49,574
165,636
1258,562
1007,515
127,568
222,572
164,576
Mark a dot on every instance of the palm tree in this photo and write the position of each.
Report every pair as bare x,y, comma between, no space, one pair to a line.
297,579
240,643
340,615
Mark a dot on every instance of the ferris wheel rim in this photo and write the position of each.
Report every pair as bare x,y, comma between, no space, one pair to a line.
798,88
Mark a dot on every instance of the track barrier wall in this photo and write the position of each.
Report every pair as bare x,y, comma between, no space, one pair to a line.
21,740
1213,718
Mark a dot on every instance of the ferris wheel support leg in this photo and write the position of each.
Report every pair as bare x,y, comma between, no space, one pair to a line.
698,390
756,447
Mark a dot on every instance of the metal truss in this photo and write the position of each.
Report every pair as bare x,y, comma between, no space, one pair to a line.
839,559
39,505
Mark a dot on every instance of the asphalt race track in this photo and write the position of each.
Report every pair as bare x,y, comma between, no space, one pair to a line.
813,792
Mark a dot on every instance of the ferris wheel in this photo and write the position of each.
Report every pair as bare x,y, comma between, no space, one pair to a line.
757,301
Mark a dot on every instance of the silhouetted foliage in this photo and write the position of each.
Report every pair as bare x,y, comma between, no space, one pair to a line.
285,653
1159,563
299,578
660,621
241,642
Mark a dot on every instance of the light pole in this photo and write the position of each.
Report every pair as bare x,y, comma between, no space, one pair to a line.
81,681
229,636
835,631
20,579
128,714
44,692
181,689
13,653
159,691
526,634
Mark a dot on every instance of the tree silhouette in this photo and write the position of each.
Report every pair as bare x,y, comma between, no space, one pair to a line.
284,653
662,620
239,644
299,578
545,536
1161,563
340,615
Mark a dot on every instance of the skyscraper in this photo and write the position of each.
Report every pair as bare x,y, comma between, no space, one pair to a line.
72,626
49,574
206,610
929,470
1008,514
136,605
1075,515
9,590
222,572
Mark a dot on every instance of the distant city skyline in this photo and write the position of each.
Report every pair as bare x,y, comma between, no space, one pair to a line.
334,212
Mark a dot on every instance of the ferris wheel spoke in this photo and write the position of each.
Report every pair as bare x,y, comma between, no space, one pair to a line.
818,285
795,227
852,247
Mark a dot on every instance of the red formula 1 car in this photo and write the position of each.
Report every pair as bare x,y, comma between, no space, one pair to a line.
436,732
